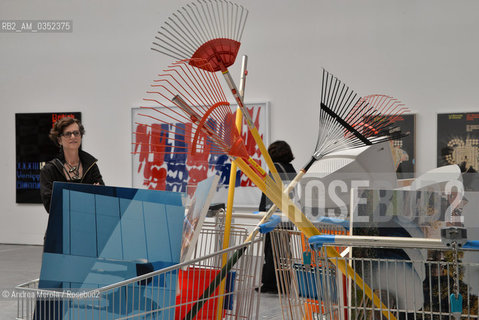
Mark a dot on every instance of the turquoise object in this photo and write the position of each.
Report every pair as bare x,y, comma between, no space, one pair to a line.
456,303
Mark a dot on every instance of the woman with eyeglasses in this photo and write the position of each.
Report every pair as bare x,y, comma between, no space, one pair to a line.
71,164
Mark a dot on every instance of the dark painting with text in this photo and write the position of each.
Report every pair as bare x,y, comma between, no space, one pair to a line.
33,149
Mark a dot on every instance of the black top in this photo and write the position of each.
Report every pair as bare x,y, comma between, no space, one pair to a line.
53,171
287,173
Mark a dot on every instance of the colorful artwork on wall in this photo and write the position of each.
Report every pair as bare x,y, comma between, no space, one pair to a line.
458,143
33,150
161,160
458,140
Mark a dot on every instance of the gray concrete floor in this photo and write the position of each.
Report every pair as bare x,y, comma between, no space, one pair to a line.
21,263
18,264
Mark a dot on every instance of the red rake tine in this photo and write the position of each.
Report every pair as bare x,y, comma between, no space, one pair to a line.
210,31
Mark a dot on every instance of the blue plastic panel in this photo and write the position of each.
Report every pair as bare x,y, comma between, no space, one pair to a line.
100,235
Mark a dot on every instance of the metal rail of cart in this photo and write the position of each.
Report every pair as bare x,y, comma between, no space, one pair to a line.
169,293
293,261
428,284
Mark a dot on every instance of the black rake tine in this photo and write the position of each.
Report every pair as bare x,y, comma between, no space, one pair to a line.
337,85
341,97
359,115
346,125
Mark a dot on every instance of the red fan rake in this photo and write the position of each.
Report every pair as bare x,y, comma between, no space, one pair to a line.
194,97
208,33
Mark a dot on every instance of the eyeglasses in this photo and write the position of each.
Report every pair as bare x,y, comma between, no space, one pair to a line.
68,134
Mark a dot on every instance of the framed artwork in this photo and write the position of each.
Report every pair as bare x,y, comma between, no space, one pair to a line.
458,143
458,140
33,149
162,161
402,149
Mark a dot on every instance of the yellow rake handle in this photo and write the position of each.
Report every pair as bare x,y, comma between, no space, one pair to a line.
231,191
228,218
286,205
251,126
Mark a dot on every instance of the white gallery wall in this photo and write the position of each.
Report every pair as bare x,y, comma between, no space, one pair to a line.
422,52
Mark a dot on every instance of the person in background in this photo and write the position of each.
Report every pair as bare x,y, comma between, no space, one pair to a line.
281,154
71,164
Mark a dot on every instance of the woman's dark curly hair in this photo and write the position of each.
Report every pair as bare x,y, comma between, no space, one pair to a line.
280,151
60,125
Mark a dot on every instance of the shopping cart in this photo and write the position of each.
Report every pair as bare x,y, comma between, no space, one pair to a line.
295,263
169,293
409,288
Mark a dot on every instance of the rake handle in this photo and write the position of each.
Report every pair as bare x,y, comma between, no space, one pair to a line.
251,126
303,224
295,215
346,125
231,188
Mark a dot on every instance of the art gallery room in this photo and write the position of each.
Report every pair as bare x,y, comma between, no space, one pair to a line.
244,159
